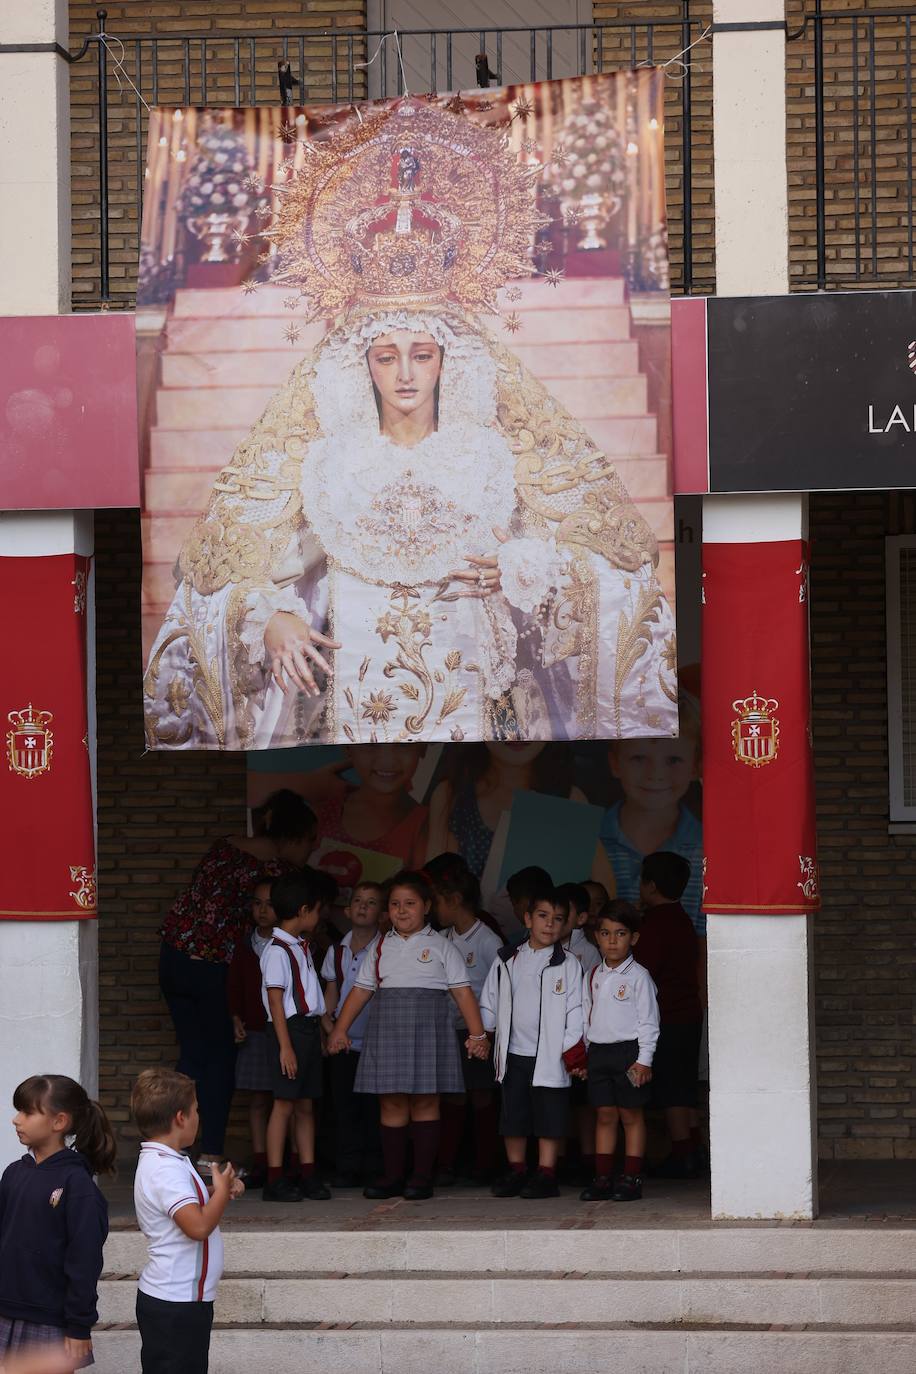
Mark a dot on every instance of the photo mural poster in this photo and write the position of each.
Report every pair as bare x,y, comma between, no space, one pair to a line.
405,396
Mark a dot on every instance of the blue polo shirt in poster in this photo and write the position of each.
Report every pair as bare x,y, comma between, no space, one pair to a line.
626,860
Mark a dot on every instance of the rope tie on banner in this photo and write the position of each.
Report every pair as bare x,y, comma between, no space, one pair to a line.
378,48
677,59
119,68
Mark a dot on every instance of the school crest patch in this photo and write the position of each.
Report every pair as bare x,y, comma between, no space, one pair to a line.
56,1196
471,959
558,986
425,955
622,992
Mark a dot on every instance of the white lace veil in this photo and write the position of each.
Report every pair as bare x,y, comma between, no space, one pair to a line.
342,388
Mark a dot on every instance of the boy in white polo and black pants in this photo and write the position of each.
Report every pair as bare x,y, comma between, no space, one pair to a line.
294,1004
621,1030
532,999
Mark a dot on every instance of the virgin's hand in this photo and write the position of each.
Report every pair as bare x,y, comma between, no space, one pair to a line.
482,577
290,646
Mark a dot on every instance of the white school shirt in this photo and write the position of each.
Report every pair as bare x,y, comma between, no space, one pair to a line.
525,971
581,946
277,972
621,1004
178,1269
422,960
478,948
345,978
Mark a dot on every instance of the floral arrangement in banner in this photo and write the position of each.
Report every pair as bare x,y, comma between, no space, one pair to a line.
588,170
217,198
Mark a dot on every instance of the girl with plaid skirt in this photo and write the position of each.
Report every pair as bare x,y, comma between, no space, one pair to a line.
410,1055
53,1220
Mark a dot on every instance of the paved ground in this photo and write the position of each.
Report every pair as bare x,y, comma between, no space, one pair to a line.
862,1193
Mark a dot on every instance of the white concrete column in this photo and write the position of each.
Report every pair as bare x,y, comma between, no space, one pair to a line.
34,161
49,997
762,1087
761,1033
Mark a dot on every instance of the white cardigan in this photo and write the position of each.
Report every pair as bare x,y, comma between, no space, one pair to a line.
560,1022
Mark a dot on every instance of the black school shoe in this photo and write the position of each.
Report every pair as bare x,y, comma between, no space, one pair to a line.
315,1189
510,1184
381,1190
678,1166
283,1190
539,1186
417,1192
601,1189
627,1189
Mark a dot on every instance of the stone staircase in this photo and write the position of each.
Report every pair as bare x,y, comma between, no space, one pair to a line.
792,1299
224,356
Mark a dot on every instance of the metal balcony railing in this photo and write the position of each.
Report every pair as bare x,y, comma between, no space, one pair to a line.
116,77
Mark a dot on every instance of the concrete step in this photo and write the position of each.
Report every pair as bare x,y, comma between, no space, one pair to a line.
265,367
601,397
618,358
422,1298
218,302
535,1350
241,334
571,291
583,324
625,435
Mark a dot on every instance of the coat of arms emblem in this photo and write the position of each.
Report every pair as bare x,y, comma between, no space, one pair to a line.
29,743
755,731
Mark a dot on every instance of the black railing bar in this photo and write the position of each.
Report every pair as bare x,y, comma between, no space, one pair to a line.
819,176
687,161
499,56
302,69
349,68
383,69
155,57
334,70
857,212
432,61
102,55
237,46
633,55
186,58
873,101
252,71
650,46
203,71
583,55
448,60
138,73
549,55
908,49
600,66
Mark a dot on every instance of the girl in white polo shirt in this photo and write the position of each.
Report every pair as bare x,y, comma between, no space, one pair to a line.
409,1053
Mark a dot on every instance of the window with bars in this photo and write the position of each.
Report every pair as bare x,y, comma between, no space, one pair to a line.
901,676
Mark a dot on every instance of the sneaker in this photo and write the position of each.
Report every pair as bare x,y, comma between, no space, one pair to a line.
540,1185
628,1188
383,1190
678,1166
600,1189
417,1192
315,1189
510,1184
283,1190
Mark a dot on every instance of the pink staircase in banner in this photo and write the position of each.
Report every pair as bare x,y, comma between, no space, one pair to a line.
221,341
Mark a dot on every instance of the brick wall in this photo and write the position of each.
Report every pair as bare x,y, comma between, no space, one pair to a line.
157,814
865,957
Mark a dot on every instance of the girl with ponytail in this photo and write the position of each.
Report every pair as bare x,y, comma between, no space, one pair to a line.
54,1219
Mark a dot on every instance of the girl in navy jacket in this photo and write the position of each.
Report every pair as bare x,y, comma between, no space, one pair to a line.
53,1219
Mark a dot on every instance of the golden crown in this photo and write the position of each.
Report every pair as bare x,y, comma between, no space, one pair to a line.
412,206
29,719
755,706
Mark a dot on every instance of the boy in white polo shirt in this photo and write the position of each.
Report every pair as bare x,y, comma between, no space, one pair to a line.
294,1004
621,1030
181,1223
533,1000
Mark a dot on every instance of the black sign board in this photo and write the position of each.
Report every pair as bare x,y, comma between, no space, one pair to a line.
812,392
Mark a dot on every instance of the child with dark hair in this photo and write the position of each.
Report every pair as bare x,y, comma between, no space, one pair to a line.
53,1219
574,937
409,1054
253,1065
532,1000
670,949
457,908
621,1029
294,1004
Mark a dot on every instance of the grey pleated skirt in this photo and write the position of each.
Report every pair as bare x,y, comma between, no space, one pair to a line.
410,1045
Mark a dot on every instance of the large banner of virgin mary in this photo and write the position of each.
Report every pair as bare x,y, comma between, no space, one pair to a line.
405,379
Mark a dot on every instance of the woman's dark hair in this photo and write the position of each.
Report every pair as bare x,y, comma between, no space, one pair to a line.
289,893
53,1093
622,914
552,769
285,816
378,395
417,882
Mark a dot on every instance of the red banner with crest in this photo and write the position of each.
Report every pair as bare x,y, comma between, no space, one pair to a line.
758,771
45,783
